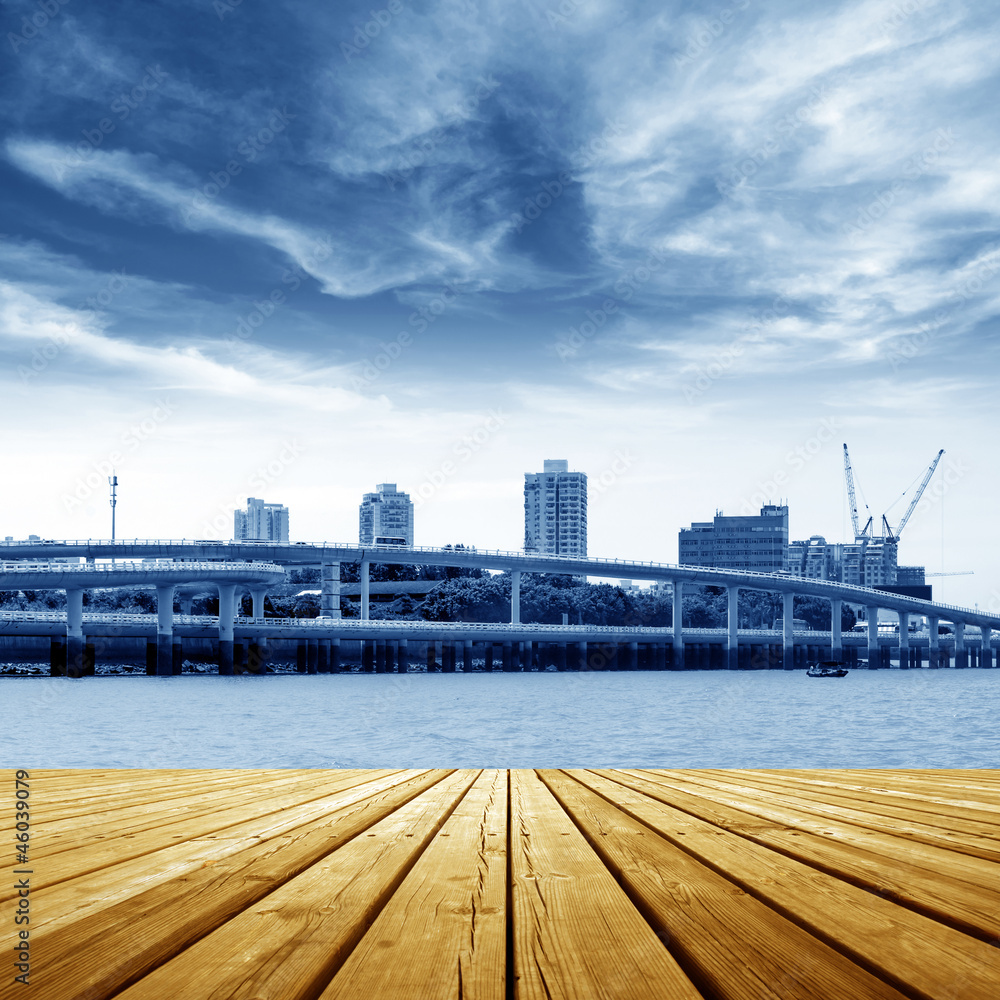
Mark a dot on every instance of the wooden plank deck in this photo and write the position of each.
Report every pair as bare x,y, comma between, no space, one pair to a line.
458,884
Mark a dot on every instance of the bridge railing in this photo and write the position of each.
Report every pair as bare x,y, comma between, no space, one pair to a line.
136,566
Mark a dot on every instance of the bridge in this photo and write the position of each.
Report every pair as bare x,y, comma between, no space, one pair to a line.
255,565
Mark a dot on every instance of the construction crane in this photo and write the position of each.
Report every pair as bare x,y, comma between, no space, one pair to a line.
919,493
849,475
887,532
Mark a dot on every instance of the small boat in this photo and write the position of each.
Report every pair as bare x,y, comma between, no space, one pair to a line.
828,668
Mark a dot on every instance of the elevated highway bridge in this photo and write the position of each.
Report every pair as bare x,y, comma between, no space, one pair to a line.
254,566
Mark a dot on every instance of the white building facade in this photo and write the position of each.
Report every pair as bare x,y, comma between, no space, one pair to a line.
267,522
555,510
386,517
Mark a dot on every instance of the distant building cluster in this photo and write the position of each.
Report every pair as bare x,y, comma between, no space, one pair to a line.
266,522
759,542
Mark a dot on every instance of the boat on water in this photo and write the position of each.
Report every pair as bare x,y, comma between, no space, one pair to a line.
828,668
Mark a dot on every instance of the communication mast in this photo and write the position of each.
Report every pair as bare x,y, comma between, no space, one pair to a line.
113,483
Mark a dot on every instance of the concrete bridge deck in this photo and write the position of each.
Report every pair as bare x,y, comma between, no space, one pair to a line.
449,885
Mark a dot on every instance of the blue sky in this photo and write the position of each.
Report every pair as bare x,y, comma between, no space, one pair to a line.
293,249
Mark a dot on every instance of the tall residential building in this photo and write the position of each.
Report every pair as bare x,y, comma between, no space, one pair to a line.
555,510
386,517
267,522
754,542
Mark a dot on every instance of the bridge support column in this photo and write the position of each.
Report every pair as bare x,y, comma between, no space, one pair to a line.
402,656
560,656
391,655
335,656
904,640
677,620
227,607
329,606
322,656
365,588
467,656
257,596
873,653
367,656
431,657
164,630
301,655
506,656
488,656
380,656
515,597
312,655
661,656
787,631
581,656
732,647
933,643
74,633
177,655
836,632
57,657
987,638
961,653
239,657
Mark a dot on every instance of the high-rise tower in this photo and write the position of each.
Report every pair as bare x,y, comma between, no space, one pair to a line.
555,510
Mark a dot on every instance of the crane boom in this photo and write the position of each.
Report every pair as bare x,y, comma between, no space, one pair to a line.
920,491
849,475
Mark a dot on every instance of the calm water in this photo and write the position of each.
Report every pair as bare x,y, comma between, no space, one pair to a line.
916,718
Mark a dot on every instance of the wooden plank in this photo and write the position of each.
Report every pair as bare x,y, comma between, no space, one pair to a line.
939,895
576,934
731,945
110,845
949,832
443,934
976,871
290,943
92,939
920,957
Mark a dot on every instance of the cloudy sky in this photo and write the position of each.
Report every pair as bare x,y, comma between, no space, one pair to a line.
294,249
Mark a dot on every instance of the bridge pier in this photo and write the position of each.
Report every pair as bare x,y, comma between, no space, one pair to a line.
57,657
987,638
164,630
506,654
873,653
301,656
335,666
904,640
787,631
257,595
322,656
329,601
933,642
733,623
367,656
365,588
467,656
227,613
836,629
380,656
515,597
312,656
239,658
74,633
177,655
677,621
431,657
961,653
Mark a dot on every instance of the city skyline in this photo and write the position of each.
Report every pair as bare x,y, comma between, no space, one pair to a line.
696,256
